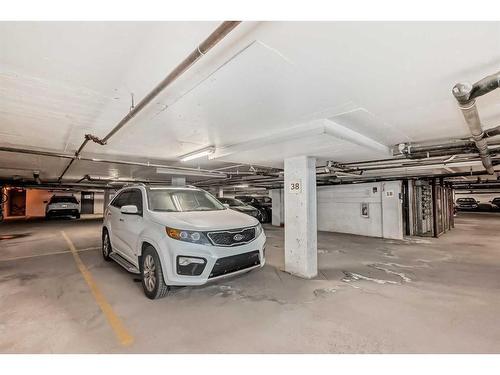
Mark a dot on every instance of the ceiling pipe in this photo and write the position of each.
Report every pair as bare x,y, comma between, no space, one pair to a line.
213,39
331,171
204,172
326,179
409,149
466,95
488,133
122,181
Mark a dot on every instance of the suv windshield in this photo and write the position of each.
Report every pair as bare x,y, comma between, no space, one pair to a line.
173,200
63,199
232,202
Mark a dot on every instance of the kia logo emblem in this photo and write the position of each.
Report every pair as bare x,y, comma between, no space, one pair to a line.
238,237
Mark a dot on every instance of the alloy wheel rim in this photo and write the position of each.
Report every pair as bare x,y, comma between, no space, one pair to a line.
149,273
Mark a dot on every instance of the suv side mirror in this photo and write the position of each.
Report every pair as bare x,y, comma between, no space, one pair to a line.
45,202
130,209
225,205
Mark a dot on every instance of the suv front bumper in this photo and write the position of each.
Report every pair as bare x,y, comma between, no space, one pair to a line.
221,262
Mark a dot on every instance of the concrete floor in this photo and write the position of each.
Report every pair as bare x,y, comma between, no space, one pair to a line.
372,296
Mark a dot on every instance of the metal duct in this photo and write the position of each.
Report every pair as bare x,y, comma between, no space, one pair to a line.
465,94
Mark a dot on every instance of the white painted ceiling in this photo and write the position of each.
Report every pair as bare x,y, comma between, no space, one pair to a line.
387,82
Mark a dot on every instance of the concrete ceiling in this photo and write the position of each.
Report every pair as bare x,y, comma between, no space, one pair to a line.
343,91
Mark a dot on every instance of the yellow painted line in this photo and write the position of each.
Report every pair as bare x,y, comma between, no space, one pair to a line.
48,254
122,334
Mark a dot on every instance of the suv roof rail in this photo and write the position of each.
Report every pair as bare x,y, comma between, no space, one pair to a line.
129,184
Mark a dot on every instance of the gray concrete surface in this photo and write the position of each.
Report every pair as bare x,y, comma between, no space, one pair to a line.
372,296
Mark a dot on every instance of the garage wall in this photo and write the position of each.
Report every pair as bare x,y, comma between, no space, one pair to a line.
278,207
35,199
339,209
98,203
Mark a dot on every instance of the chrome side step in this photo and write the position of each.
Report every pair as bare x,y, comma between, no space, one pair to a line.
124,263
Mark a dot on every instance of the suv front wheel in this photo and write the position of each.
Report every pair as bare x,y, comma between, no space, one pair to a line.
152,275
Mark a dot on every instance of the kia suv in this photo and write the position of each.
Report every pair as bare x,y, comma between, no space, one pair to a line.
179,236
62,205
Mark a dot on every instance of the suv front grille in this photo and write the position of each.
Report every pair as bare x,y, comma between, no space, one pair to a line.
226,265
235,237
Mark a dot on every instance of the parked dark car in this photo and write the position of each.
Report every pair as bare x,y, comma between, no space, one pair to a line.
496,203
240,206
263,204
467,204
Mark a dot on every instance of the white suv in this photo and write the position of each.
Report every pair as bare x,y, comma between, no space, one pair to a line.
62,205
179,236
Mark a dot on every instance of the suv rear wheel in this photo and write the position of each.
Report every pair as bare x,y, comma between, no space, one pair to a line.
152,275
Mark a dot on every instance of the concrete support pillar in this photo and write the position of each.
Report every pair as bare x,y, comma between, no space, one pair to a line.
107,198
178,181
278,206
221,192
301,247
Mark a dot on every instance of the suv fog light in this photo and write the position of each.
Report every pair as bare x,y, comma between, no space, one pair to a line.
190,266
185,261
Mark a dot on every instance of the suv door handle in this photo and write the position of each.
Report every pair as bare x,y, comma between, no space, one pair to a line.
121,219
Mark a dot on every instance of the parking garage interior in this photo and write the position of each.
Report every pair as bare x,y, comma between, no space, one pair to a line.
371,164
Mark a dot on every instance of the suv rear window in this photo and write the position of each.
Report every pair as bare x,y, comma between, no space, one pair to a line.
63,199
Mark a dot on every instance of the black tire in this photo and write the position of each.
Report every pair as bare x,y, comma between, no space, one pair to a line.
152,275
106,246
77,216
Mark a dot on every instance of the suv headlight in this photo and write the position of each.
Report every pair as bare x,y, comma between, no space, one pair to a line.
258,230
188,236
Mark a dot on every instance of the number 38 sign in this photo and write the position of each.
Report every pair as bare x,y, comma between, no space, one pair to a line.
294,187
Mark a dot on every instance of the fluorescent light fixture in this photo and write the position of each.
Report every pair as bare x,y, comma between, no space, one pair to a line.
242,186
198,154
189,172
